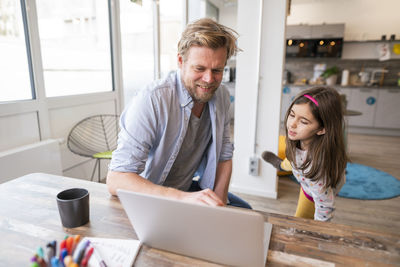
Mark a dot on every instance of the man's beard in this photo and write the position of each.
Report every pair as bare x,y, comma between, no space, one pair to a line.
202,97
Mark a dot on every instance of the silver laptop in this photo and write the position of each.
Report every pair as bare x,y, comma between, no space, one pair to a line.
223,235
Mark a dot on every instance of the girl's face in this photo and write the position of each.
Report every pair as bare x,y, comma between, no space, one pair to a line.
302,126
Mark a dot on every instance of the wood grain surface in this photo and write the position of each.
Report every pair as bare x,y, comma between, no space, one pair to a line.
29,218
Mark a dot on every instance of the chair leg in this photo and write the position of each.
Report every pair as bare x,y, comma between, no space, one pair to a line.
98,166
94,169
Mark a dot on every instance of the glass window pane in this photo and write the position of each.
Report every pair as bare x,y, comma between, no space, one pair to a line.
75,46
137,45
14,70
170,33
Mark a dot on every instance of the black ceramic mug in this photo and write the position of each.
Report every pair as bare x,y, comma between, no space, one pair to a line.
73,206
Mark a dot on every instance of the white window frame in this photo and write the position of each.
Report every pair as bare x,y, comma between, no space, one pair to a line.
41,104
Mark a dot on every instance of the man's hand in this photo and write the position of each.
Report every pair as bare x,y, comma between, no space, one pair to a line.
204,197
136,183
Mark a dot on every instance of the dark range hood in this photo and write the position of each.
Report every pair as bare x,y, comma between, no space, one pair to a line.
324,40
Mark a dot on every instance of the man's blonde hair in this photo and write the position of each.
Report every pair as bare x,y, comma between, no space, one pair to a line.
208,33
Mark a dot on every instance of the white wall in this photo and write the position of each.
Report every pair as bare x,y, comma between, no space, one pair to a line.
196,10
364,19
227,12
258,101
228,16
19,125
18,130
366,50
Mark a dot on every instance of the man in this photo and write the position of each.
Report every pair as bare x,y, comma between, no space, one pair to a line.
179,126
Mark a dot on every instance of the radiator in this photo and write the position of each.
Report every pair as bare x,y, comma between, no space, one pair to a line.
43,156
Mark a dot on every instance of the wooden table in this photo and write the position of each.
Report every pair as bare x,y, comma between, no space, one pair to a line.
29,218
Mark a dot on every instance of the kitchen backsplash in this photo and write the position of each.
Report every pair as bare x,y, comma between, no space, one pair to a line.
303,68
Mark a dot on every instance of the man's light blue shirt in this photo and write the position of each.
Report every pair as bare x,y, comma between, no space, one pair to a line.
154,126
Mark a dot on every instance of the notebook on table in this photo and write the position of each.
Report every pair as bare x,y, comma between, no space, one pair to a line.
114,252
223,235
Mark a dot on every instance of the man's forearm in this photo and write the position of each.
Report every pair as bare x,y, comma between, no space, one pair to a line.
134,182
222,179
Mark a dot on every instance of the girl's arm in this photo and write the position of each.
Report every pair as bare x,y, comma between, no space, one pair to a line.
340,185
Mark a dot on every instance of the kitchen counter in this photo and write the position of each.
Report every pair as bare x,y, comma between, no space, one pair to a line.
378,105
337,86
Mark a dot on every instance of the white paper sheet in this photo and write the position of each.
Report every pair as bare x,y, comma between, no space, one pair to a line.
114,252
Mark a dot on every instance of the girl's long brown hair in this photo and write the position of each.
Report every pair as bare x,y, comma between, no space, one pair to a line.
326,153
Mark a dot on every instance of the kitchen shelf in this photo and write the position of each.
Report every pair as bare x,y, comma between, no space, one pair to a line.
371,41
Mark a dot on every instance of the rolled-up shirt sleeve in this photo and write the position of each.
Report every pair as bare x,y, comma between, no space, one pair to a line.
227,146
138,125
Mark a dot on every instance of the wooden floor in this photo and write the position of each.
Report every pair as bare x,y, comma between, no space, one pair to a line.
380,152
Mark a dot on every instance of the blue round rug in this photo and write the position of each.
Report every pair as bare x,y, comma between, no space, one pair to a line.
364,182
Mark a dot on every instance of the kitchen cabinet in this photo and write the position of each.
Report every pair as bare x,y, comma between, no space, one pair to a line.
288,95
298,32
315,31
327,31
388,109
347,95
363,100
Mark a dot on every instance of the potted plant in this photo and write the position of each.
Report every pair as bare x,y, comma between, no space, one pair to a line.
330,75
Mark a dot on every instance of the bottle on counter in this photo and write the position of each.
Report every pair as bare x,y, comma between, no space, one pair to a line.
398,79
345,78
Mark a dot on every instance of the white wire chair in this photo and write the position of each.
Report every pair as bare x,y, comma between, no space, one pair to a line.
95,137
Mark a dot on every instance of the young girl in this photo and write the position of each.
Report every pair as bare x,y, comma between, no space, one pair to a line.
315,150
